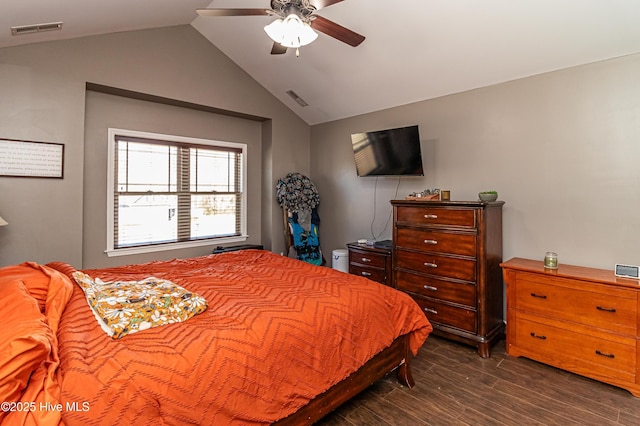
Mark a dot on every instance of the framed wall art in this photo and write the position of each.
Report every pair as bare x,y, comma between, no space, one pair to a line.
31,159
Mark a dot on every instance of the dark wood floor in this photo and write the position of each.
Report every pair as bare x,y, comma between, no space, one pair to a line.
454,386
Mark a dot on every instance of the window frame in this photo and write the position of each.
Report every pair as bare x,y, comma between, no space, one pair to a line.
157,137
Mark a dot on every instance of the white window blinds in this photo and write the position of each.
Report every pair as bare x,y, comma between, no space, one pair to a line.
168,191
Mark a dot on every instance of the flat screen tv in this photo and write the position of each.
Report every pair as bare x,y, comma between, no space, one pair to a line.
391,152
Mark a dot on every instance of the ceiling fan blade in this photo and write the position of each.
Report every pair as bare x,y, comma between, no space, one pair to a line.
278,49
319,4
232,12
336,31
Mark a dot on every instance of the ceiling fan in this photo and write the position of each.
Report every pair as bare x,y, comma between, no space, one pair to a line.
295,24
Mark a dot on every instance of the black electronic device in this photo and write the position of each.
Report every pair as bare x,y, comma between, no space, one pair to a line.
221,249
385,244
391,152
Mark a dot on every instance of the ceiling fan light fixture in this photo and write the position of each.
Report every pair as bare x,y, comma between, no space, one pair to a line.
275,31
291,31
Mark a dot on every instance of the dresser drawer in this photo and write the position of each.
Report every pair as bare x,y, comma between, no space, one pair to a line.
452,316
373,274
609,309
436,216
584,354
367,258
427,263
437,241
460,293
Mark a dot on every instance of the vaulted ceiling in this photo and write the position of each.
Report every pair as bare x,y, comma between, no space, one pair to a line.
414,49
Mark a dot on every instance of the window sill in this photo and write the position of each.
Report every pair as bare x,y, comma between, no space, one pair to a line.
173,246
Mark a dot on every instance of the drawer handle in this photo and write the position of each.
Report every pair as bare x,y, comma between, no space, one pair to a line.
431,311
430,216
598,352
366,259
365,273
430,265
602,308
538,336
431,242
539,296
432,288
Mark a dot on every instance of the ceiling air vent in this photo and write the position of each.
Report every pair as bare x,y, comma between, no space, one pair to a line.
297,98
27,29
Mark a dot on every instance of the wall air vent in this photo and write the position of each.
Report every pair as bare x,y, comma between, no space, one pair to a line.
27,29
297,98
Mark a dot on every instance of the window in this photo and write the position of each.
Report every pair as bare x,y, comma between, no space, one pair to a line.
168,192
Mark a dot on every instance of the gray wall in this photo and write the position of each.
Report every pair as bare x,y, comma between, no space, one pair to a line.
43,99
104,111
562,150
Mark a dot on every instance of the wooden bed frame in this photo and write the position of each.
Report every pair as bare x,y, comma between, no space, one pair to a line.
397,355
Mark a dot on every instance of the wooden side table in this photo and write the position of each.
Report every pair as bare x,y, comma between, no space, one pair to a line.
370,262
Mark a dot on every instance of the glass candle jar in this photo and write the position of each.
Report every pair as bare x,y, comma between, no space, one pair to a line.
551,260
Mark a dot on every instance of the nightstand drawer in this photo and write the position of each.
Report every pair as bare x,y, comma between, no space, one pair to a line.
460,293
437,241
436,216
367,258
373,274
433,264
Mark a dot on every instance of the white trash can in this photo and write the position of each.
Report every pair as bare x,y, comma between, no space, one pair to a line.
340,260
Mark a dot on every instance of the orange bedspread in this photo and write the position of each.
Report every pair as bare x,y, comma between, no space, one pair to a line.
32,300
277,333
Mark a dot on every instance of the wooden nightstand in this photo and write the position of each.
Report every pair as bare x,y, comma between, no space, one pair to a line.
370,262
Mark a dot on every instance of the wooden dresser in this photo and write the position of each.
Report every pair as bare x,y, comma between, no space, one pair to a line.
370,262
447,254
582,320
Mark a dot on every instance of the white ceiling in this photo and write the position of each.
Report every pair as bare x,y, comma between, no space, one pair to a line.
414,49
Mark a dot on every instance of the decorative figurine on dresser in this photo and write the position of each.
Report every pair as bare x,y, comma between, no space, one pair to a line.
447,255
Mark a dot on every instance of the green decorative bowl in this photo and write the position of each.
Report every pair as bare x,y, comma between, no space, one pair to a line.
488,196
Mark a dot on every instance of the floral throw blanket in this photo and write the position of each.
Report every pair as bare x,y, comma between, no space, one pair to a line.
124,307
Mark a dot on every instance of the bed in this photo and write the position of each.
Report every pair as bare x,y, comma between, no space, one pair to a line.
280,342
